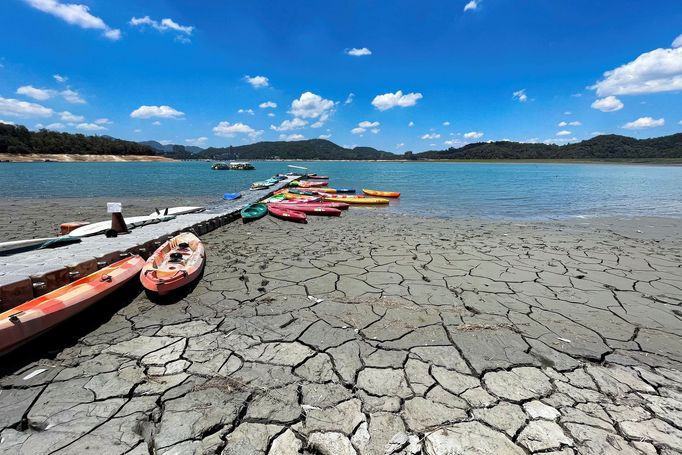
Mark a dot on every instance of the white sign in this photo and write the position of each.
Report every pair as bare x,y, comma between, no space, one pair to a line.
113,207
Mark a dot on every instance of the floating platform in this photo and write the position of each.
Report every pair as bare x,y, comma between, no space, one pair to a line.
24,276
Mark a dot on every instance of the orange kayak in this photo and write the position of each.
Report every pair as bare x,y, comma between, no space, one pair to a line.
381,193
175,264
36,316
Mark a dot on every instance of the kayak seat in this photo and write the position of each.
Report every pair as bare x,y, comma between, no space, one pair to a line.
184,245
175,257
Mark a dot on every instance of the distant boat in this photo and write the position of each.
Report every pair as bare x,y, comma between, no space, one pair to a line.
220,167
241,166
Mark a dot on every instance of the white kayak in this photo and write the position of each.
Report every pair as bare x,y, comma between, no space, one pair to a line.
177,211
132,222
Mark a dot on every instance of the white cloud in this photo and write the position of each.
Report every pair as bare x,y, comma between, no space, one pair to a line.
471,6
563,133
268,105
165,142
446,123
473,135
72,96
349,99
59,78
325,136
7,122
156,111
90,127
678,42
608,104
520,95
680,122
368,124
391,100
165,24
411,124
75,14
453,142
69,117
225,129
402,144
310,105
197,141
291,137
16,108
55,126
358,130
430,136
568,113
245,111
271,114
573,123
257,81
40,94
43,94
358,52
643,123
156,123
656,71
288,125
103,121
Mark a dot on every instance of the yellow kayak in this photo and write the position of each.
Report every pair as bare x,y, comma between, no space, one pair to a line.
357,200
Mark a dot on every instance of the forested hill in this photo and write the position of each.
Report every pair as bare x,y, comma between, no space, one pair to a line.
312,149
603,147
18,139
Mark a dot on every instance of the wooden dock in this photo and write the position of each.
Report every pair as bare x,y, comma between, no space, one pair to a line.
30,274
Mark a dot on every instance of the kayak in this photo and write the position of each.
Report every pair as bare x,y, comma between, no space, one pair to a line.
231,196
347,196
317,177
176,263
177,211
36,316
309,209
303,192
287,214
358,200
305,184
253,212
298,202
345,190
17,246
381,193
275,198
260,186
132,222
290,196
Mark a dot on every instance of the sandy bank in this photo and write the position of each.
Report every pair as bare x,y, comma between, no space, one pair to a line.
71,158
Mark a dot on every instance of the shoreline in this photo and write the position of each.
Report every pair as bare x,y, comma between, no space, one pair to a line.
89,158
75,158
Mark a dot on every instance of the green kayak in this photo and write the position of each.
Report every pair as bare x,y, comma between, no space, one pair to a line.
254,211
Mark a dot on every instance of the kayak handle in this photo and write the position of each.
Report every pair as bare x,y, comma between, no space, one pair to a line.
106,278
15,317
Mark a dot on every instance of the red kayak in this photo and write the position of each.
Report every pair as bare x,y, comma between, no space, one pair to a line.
36,316
305,184
309,209
287,214
175,264
297,202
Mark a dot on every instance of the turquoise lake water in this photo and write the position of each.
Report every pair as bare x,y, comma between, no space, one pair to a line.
500,190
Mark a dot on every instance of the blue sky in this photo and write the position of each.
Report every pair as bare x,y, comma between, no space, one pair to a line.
221,73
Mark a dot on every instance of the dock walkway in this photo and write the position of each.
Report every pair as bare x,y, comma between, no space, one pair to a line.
30,274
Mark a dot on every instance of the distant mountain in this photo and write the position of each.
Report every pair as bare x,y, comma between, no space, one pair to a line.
605,147
312,149
172,148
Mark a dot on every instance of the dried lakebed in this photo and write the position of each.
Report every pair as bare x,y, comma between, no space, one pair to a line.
375,334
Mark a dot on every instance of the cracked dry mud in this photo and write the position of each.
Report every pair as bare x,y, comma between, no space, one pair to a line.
421,337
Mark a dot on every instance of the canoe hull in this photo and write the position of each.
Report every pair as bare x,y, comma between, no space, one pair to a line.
285,213
28,320
310,209
359,200
391,194
253,212
162,275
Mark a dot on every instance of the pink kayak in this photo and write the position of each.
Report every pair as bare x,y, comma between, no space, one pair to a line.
309,209
288,214
297,202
